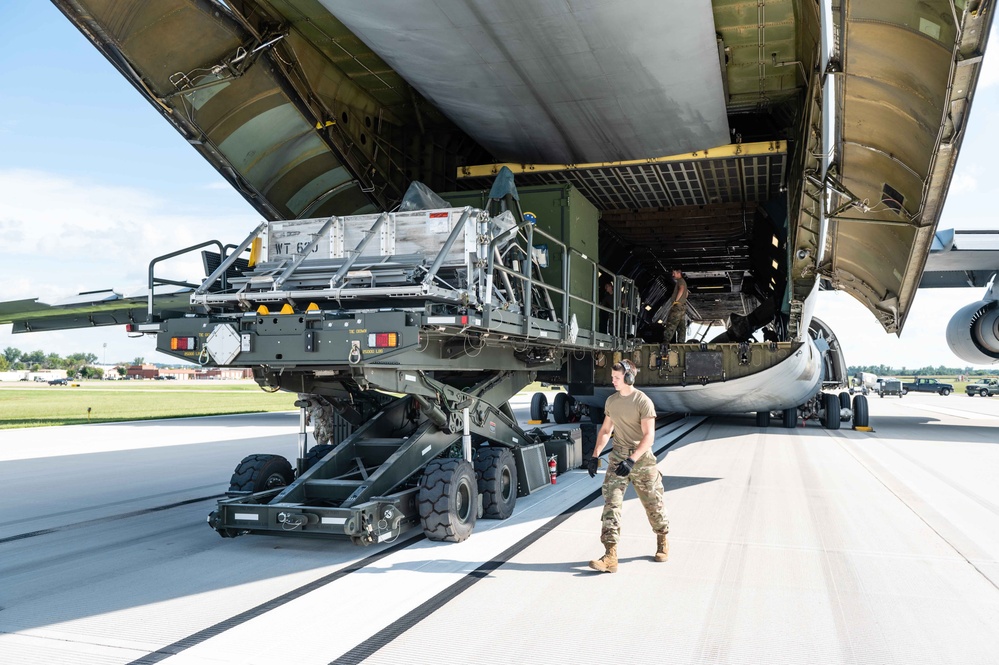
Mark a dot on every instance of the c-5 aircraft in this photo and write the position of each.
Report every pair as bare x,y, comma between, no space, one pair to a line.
766,149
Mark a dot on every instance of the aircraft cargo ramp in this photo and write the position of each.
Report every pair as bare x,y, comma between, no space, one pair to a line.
787,546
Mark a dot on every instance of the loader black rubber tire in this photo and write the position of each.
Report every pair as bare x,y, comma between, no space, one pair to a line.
597,414
257,473
790,417
539,407
496,474
763,419
448,500
315,454
831,405
861,415
562,408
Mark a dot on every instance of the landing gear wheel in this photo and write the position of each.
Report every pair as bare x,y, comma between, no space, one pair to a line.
315,454
763,419
831,404
844,400
539,407
562,408
790,417
860,412
596,415
257,473
448,500
496,473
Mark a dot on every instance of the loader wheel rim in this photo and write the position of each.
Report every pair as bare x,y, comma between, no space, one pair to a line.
506,484
463,502
274,480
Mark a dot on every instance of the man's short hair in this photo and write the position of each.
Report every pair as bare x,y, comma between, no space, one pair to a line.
625,366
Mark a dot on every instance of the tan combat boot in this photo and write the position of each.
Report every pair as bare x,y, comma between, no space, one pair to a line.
662,548
608,562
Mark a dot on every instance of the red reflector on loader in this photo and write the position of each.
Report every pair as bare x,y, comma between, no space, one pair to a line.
183,343
383,340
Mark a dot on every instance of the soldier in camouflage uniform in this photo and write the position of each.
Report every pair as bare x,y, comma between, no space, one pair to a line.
676,319
630,414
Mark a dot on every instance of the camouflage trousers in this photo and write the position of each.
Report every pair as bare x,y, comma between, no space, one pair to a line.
676,322
648,484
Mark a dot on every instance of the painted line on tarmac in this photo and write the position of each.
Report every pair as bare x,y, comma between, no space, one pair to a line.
387,635
202,635
384,637
102,520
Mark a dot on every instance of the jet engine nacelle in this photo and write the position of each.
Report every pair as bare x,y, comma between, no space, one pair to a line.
973,332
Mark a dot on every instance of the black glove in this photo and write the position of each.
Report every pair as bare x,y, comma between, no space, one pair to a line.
592,465
625,467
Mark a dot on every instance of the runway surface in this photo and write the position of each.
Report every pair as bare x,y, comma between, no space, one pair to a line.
787,546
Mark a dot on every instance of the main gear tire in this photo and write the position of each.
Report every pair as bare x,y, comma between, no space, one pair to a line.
763,419
790,417
257,473
831,419
448,500
496,474
562,408
861,415
539,407
844,400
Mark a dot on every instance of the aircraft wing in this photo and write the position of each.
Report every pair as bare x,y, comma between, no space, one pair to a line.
961,259
91,309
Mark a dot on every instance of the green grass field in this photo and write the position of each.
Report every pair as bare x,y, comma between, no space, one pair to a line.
40,405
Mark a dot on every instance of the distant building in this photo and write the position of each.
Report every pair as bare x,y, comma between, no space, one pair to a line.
143,371
227,373
179,374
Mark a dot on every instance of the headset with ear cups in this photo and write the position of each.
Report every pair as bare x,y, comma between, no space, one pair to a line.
629,372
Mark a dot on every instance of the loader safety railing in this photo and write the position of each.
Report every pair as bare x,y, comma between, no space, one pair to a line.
454,260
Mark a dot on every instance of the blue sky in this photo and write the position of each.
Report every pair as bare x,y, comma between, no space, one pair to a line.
94,183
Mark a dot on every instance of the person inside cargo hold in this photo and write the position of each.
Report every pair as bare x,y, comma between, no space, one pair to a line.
676,320
630,415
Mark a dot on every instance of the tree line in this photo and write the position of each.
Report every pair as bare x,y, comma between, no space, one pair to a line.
75,364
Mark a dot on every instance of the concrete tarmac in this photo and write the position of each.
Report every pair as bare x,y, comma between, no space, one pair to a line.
787,546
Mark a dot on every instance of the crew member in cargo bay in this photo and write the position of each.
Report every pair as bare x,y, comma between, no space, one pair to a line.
630,415
676,320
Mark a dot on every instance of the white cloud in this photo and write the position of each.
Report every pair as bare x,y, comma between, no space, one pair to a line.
60,236
963,183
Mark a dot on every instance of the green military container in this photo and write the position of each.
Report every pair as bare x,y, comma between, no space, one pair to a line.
564,213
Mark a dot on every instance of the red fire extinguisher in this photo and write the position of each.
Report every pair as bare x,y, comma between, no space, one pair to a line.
552,468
